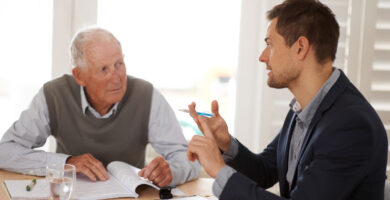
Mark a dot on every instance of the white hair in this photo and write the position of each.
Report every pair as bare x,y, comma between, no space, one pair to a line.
84,36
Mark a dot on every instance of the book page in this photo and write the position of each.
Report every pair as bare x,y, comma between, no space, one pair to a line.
123,182
128,175
86,189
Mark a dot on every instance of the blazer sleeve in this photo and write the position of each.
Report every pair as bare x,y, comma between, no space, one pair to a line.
260,167
342,157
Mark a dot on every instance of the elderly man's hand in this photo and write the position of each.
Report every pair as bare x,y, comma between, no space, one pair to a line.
205,149
157,171
90,166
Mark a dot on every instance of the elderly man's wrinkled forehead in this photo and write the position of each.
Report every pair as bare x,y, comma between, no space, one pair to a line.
99,38
98,46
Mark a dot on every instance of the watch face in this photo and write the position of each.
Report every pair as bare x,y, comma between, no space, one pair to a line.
165,193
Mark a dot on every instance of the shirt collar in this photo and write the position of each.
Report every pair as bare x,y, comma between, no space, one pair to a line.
307,114
86,106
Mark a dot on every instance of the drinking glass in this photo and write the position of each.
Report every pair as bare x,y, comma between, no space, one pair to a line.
61,179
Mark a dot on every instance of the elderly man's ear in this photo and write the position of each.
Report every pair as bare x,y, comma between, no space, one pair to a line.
78,76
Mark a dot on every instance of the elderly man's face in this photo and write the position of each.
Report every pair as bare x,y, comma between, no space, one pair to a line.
104,78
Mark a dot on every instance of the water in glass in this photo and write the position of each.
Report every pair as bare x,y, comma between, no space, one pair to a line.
61,180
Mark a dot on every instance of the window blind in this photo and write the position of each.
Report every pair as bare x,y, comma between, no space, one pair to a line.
380,85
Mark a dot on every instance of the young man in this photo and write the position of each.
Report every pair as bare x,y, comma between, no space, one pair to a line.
332,144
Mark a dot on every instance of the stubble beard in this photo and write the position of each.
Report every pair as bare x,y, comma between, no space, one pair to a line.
282,80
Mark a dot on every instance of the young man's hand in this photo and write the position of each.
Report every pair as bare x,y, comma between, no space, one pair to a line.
205,149
217,125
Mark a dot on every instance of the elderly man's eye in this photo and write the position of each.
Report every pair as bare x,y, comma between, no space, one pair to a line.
103,69
119,63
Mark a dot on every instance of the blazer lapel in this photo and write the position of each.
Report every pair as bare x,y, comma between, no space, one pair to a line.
329,99
285,145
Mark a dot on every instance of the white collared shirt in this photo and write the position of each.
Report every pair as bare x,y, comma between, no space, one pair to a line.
86,106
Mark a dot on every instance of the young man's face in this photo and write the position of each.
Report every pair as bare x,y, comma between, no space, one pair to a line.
279,59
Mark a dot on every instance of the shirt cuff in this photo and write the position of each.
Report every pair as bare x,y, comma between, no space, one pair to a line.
183,170
232,151
221,179
55,158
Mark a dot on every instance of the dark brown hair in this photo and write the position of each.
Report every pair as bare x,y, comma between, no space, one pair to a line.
311,19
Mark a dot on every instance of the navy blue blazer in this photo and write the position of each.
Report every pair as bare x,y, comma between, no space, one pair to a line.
344,155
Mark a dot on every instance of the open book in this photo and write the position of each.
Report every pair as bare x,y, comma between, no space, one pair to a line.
123,182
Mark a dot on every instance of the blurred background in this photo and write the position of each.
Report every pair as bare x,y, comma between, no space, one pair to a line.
190,51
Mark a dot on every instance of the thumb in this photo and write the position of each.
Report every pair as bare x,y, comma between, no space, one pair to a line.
215,108
206,129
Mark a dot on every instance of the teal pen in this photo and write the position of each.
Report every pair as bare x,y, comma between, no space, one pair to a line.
199,113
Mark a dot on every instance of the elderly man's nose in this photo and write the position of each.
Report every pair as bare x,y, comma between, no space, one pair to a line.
115,75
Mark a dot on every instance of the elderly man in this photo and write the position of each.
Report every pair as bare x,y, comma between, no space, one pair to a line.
97,116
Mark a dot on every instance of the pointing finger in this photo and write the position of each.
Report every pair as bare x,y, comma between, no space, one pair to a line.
192,110
194,114
206,130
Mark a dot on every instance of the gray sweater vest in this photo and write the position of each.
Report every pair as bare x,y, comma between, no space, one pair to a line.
123,136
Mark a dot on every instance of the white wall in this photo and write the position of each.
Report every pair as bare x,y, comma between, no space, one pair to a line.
259,109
